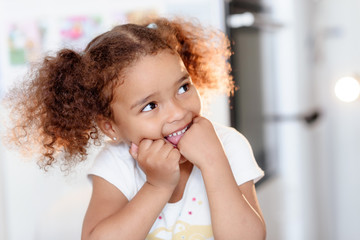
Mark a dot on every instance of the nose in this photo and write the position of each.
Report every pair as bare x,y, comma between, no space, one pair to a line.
175,111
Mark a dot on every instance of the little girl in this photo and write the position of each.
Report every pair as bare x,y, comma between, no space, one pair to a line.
167,172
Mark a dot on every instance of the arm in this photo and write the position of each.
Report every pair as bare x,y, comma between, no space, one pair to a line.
111,216
234,210
235,213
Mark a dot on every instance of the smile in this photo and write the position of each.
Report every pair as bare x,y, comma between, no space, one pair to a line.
175,137
178,132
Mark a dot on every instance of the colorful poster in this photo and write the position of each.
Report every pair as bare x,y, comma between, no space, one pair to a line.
78,31
25,41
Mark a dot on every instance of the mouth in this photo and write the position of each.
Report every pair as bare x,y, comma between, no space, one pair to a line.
175,137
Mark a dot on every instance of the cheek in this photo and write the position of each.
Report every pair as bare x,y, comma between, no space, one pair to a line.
143,129
196,104
128,129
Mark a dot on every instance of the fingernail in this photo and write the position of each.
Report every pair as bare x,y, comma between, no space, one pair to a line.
134,147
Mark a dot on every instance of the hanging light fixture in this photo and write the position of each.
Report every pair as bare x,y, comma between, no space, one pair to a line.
347,89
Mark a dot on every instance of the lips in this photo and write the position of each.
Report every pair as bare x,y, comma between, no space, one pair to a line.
175,137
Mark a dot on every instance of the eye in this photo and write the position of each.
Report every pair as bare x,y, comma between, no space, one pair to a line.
149,107
184,88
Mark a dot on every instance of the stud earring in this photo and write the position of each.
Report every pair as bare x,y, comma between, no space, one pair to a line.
114,138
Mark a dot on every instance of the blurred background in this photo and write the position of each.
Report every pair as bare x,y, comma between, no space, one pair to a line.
297,66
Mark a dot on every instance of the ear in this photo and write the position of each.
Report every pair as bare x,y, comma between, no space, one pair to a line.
107,126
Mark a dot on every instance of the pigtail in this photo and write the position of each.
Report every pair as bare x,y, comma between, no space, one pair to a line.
53,112
204,51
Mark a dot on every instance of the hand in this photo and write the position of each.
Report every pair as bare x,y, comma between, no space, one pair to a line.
160,162
200,143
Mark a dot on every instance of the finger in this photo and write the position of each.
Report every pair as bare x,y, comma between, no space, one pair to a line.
149,147
158,144
143,149
160,148
134,150
168,148
197,119
144,145
174,154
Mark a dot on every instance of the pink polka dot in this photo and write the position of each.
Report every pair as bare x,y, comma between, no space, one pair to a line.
160,217
190,212
194,199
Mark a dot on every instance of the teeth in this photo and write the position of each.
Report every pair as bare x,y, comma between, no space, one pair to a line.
178,133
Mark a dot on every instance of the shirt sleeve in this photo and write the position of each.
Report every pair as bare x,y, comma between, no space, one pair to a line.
240,156
115,167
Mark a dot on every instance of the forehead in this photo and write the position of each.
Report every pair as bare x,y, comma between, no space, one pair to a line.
164,62
150,73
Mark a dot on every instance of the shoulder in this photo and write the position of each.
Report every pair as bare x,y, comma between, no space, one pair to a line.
121,149
239,153
115,164
114,155
230,136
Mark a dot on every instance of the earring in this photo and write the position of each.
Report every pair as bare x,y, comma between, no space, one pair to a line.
114,138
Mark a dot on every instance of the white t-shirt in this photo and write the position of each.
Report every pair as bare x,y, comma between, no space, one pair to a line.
189,217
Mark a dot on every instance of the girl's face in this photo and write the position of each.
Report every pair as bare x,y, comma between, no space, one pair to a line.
156,100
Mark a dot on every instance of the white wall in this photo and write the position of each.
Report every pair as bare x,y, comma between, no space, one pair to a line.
316,192
3,229
338,37
287,199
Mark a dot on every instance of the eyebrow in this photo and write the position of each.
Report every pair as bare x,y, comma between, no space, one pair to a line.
146,99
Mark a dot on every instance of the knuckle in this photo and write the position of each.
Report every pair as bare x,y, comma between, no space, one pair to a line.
175,153
169,146
159,142
144,144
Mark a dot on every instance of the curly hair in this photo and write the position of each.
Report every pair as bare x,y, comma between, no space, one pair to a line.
57,106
